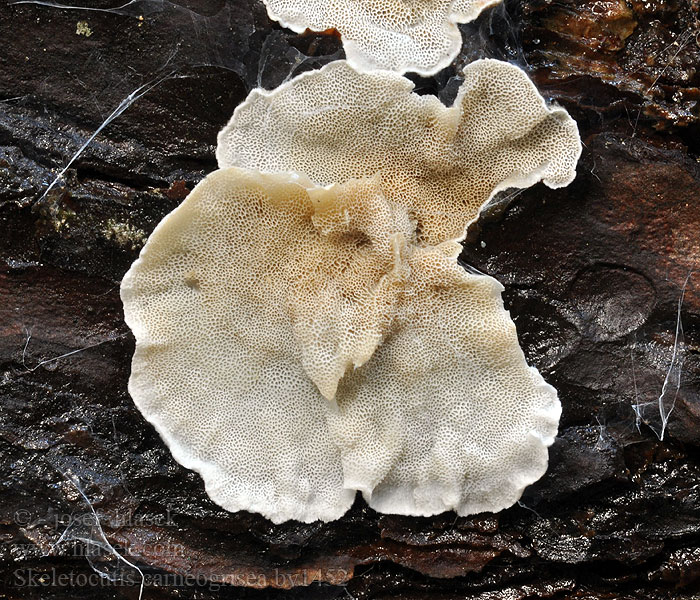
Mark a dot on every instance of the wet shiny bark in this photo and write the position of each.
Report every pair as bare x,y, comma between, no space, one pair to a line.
594,277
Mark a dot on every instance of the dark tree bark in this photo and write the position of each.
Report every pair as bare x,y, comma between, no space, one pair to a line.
601,279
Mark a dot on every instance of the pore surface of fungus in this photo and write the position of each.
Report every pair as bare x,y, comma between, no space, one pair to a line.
398,35
442,164
296,343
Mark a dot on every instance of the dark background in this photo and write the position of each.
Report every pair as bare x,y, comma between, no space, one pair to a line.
594,277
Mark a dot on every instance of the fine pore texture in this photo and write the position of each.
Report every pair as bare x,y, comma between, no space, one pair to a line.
294,344
396,35
442,164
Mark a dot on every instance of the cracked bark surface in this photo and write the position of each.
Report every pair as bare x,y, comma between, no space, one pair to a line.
594,275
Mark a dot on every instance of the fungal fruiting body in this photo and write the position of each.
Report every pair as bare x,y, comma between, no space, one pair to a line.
396,35
303,328
441,163
295,344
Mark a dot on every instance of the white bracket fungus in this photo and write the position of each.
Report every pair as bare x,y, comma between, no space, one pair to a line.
398,35
303,329
442,163
295,344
